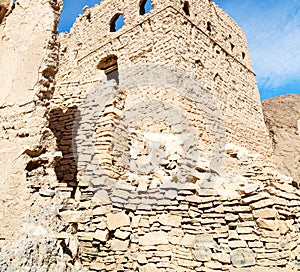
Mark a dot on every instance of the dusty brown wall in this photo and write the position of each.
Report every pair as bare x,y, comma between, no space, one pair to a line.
91,30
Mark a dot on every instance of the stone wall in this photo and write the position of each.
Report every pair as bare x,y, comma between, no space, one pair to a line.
162,170
246,223
164,36
166,160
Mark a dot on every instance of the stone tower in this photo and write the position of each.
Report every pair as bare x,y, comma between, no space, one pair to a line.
164,157
195,37
143,147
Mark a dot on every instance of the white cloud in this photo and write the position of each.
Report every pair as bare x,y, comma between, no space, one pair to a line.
273,32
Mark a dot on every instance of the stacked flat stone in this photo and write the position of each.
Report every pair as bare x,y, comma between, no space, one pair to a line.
183,227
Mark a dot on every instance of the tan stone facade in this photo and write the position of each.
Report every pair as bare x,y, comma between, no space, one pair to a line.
162,169
218,57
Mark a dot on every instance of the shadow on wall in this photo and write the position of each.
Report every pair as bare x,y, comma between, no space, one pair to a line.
3,11
61,124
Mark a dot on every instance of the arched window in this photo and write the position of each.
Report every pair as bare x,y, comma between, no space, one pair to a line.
110,67
145,7
117,22
186,8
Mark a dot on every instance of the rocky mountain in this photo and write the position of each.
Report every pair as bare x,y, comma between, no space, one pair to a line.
282,116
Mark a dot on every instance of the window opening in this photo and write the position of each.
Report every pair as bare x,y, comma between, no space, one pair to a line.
116,23
208,26
232,46
186,8
145,7
110,67
88,17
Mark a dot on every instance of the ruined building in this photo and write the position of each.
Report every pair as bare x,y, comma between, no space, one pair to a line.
136,147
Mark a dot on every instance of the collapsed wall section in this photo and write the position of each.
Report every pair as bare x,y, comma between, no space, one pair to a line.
244,226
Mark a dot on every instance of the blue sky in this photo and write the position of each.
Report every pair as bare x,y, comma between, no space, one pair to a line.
272,28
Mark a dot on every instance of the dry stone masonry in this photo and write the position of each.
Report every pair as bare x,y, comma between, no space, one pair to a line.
142,148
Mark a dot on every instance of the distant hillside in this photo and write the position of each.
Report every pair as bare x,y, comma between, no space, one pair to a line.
282,116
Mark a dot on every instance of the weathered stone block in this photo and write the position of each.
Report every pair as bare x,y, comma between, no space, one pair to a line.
119,245
170,220
202,254
116,220
75,216
122,234
97,266
47,192
237,243
101,235
223,257
188,240
242,257
265,213
267,224
101,198
206,240
154,238
262,204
